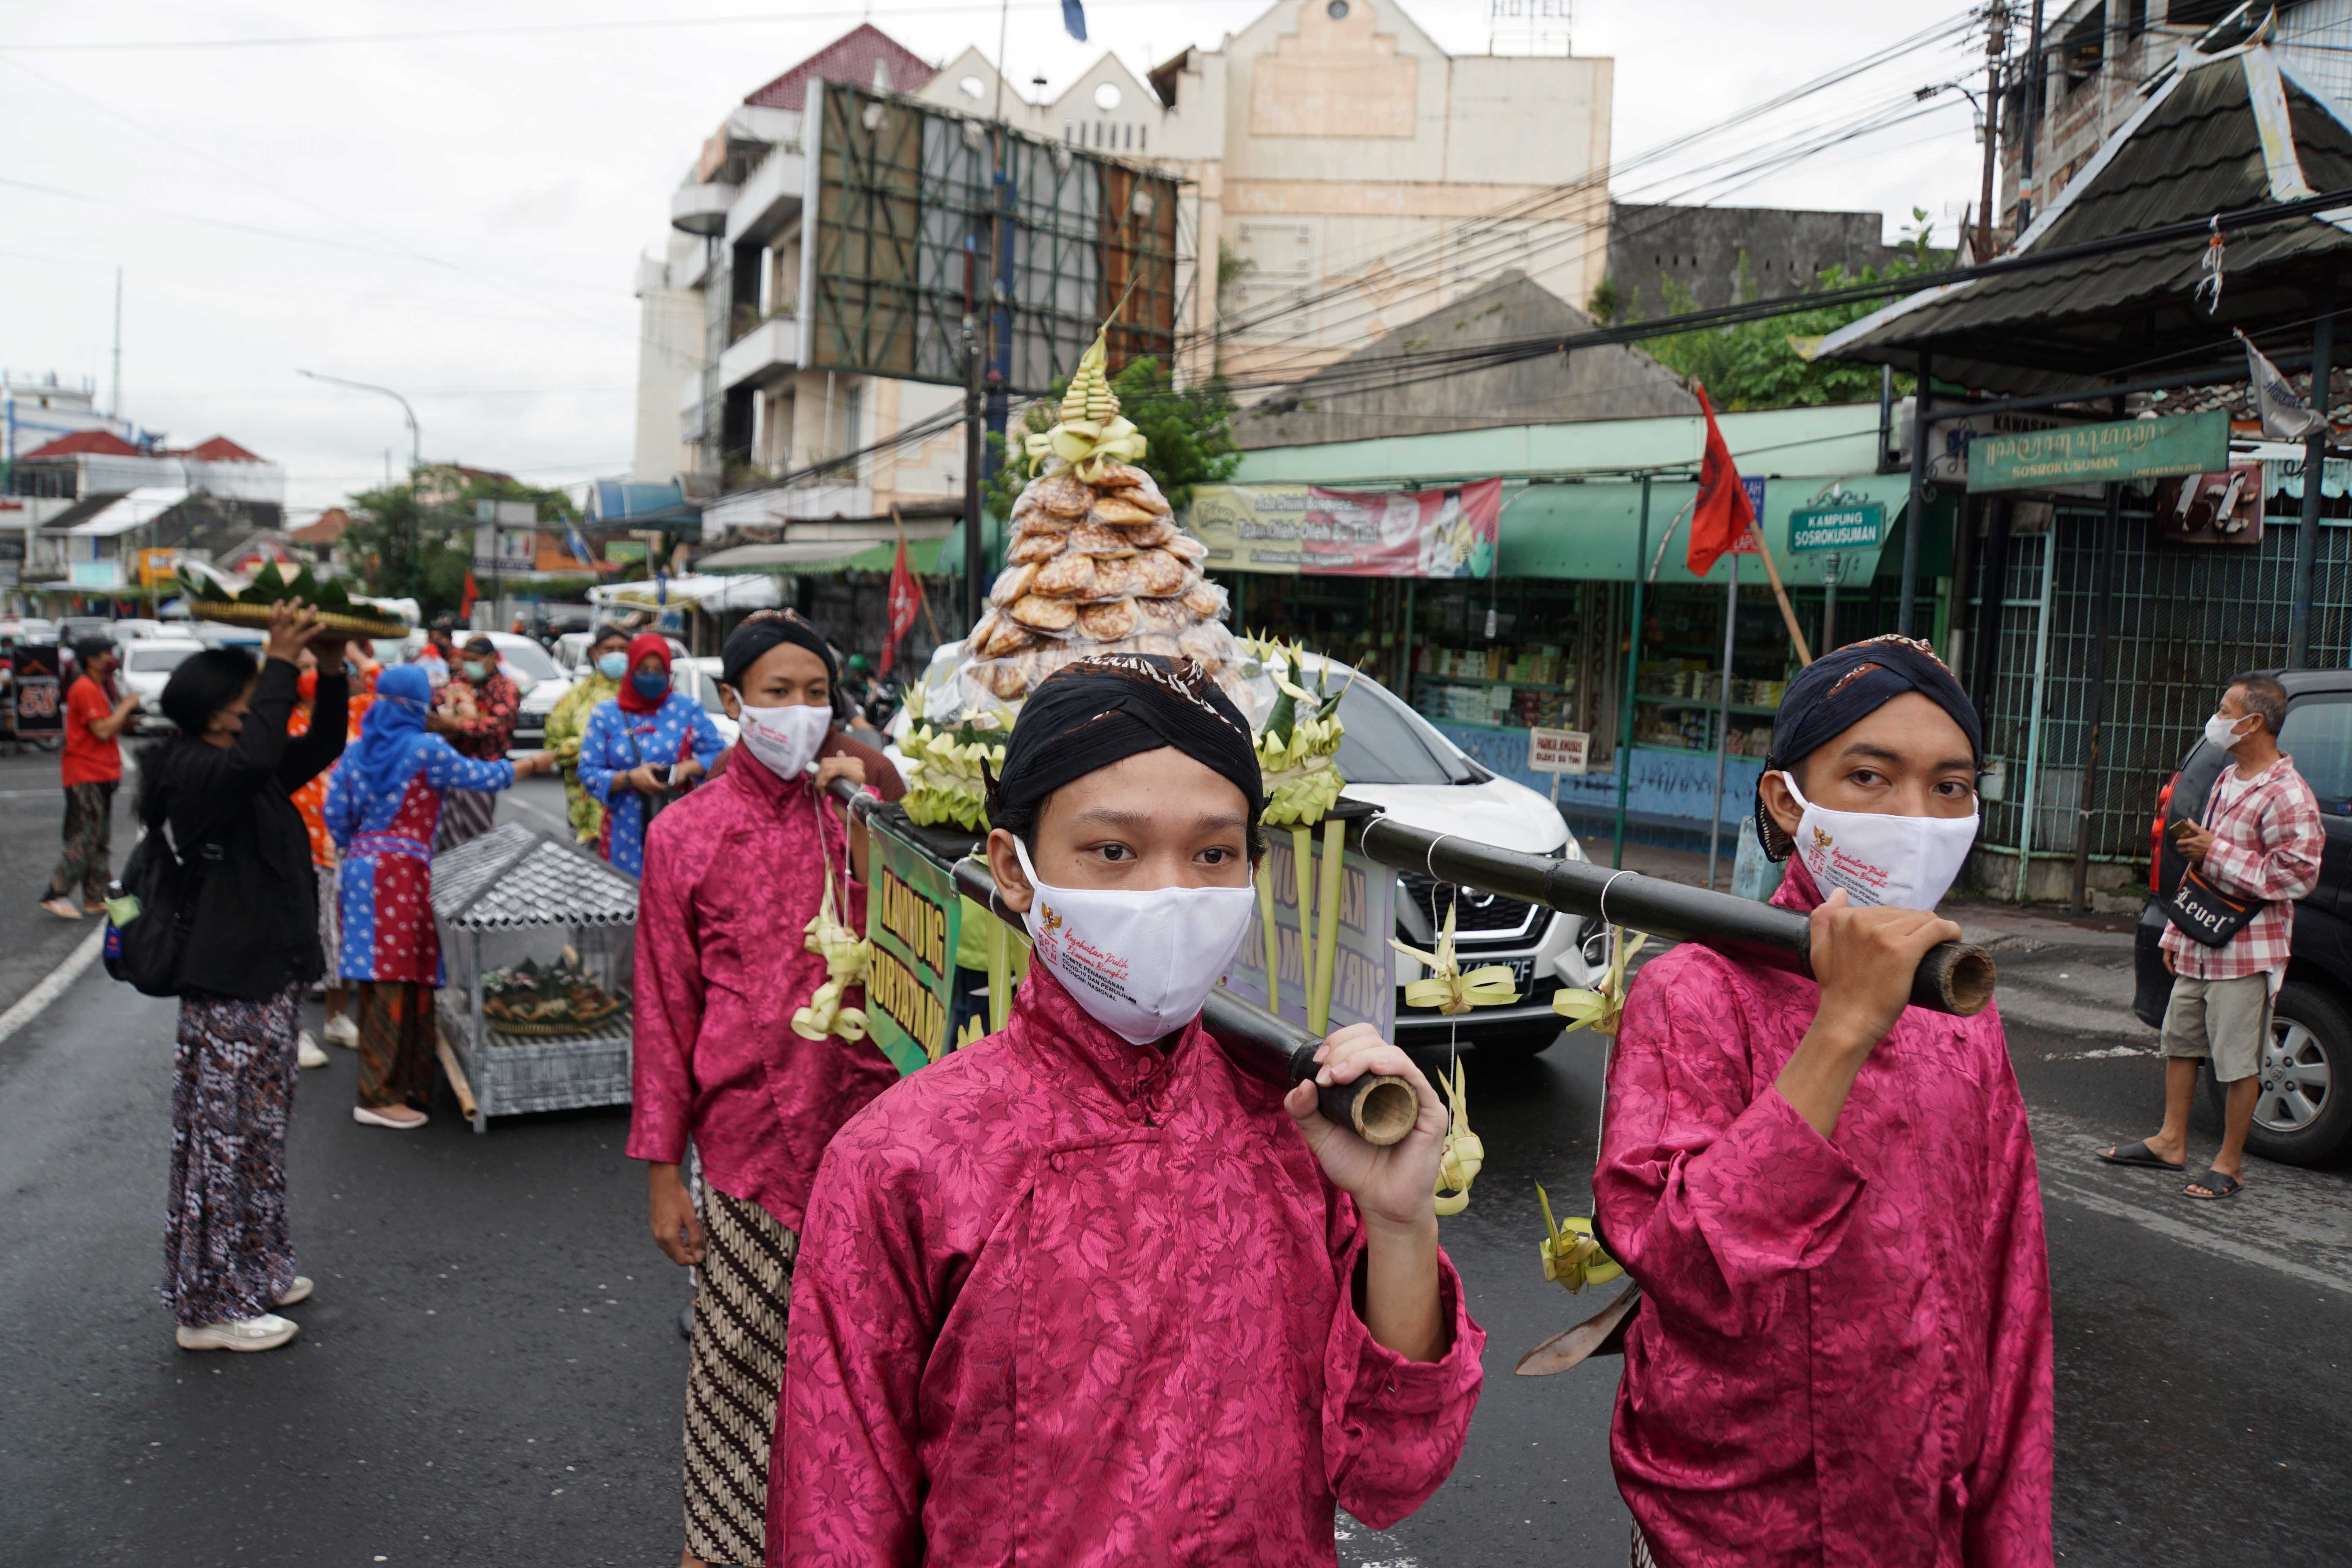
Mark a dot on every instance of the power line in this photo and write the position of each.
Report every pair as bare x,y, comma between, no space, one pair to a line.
542,29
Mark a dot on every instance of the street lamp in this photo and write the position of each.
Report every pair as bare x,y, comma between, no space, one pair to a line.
415,454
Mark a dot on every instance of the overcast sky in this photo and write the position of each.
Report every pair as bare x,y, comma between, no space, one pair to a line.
460,218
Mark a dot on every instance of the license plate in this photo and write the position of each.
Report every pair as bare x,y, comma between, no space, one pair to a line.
1523,973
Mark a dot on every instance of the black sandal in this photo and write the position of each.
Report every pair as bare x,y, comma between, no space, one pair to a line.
2217,1184
2141,1155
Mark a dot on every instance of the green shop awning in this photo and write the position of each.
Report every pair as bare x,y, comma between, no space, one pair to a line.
805,558
1589,531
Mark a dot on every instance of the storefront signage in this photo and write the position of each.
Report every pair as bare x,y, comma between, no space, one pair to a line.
624,550
94,573
157,566
1745,544
500,549
40,711
1558,751
1855,525
912,920
1448,533
2100,454
1363,978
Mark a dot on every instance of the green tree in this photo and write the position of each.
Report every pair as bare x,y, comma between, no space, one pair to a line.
1188,433
1765,364
409,549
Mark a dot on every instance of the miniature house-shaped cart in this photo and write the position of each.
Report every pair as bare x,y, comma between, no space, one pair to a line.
514,895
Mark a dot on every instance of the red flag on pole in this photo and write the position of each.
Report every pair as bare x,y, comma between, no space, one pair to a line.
466,602
1723,515
902,609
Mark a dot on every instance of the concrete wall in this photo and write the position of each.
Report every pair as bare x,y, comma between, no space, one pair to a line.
1590,383
1700,248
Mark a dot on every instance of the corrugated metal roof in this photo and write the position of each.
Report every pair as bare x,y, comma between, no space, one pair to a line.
513,876
2193,150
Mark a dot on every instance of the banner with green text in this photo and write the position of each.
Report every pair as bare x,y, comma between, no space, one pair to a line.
2101,453
912,919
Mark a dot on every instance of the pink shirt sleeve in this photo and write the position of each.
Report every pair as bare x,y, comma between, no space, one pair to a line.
2008,1522
666,1013
2286,866
1392,1428
1710,1191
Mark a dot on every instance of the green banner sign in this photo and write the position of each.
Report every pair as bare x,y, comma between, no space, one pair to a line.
1853,525
2098,454
913,918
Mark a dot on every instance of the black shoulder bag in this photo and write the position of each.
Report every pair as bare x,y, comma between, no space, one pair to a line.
2204,914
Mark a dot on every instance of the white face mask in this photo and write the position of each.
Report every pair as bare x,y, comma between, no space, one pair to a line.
1901,862
1141,962
2224,733
786,739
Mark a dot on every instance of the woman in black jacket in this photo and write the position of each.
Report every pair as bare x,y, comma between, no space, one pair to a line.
222,786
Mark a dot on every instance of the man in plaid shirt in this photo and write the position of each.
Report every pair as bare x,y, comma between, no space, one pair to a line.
2258,837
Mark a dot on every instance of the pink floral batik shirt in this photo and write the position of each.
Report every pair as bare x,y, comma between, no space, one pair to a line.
1842,1353
1064,1300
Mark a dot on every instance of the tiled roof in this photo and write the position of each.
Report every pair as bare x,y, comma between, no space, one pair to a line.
2198,151
327,529
849,58
219,449
90,443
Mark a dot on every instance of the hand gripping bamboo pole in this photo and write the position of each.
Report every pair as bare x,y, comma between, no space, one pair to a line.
1954,977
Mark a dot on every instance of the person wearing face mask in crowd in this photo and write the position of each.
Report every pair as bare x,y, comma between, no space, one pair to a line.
1084,1291
2257,840
1828,1197
384,803
481,691
221,789
96,715
567,725
733,874
641,749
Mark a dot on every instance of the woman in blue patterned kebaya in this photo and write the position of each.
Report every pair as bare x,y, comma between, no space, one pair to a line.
643,745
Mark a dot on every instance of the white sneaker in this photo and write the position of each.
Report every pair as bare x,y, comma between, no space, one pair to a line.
297,1292
307,1052
341,1031
366,1118
265,1333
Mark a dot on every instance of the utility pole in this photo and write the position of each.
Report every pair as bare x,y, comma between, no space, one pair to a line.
114,404
1996,46
2036,80
975,554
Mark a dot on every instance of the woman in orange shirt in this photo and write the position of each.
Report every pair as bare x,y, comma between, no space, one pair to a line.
310,800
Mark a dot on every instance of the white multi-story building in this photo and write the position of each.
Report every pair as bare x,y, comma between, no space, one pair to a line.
1346,173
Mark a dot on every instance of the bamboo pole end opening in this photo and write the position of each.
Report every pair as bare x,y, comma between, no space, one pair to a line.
1383,1110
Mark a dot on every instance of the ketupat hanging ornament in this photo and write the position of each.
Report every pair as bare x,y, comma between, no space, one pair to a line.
1301,737
845,954
1091,433
1599,1010
1446,987
1571,1258
1462,1156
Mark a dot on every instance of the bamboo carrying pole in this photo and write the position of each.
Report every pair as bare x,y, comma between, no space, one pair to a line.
1954,977
1380,1111
1787,614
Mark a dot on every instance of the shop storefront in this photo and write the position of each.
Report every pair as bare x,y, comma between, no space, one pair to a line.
1540,638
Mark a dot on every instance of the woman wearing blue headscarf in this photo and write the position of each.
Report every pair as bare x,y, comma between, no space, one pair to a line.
384,805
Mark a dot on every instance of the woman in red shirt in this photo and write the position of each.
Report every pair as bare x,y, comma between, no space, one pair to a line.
93,767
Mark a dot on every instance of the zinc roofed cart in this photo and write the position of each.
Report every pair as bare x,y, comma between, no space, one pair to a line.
516,894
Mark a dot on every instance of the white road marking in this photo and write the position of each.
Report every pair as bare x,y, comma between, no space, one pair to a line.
2191,1235
53,985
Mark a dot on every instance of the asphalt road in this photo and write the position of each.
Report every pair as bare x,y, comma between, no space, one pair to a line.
491,1372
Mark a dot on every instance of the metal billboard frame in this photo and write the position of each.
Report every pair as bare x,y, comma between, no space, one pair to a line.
919,216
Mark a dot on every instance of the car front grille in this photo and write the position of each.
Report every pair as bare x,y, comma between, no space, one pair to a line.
1480,919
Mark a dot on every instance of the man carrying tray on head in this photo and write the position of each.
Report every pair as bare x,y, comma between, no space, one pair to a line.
1828,1197
1084,1292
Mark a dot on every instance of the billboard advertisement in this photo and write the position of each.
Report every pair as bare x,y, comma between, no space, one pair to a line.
1448,533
